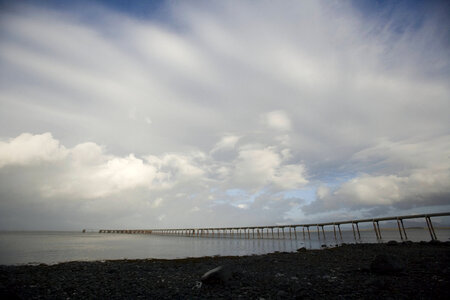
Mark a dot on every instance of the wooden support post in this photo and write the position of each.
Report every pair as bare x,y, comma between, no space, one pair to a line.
403,227
318,232
278,232
273,236
353,229
399,229
295,232
375,229
430,228
357,229
290,236
340,232
282,228
334,230
323,232
379,230
309,234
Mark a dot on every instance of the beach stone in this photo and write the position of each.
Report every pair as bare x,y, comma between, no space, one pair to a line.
392,243
217,275
386,264
376,283
302,249
434,242
282,294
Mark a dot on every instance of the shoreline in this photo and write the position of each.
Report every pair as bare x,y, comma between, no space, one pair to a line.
422,270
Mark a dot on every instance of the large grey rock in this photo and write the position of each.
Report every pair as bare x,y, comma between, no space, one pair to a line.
217,275
387,264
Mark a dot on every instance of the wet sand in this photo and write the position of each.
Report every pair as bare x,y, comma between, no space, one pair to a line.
362,271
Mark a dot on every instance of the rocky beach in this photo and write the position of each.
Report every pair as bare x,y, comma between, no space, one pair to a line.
358,271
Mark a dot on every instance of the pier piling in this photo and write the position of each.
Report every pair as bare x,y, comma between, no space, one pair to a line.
249,232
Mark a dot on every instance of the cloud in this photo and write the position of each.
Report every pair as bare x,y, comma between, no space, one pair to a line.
259,167
113,175
267,98
291,177
278,119
89,172
226,143
420,188
27,149
416,173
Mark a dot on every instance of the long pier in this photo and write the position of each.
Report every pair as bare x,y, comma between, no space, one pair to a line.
289,231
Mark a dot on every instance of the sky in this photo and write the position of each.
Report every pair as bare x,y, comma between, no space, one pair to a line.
169,114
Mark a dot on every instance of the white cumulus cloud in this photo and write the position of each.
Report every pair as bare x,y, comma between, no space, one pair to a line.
278,119
29,149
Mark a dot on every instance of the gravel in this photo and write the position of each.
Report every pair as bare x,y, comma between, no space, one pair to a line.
345,272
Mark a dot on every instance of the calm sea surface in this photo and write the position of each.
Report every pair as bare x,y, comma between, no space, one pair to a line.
35,247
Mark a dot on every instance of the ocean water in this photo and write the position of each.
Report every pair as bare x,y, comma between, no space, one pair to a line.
34,247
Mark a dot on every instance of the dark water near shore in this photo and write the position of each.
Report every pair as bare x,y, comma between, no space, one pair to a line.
34,247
